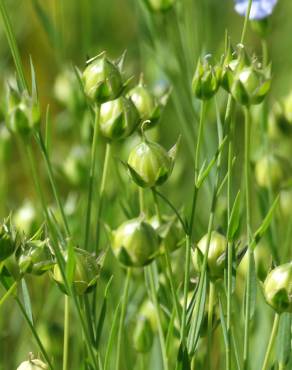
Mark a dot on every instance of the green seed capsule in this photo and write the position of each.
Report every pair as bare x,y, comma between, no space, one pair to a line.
102,79
206,79
75,166
118,118
86,272
160,5
143,335
35,257
135,243
7,242
271,170
278,288
23,113
32,364
170,232
150,164
146,103
216,255
245,79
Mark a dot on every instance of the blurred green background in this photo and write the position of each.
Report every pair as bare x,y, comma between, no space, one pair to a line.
60,34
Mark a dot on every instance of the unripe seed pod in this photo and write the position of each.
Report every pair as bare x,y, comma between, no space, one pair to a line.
32,364
86,272
135,243
23,113
143,335
216,255
160,5
170,232
7,242
146,103
271,170
150,164
118,118
278,288
35,257
206,79
102,79
245,79
75,166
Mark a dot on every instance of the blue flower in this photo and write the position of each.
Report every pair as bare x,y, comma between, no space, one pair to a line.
260,8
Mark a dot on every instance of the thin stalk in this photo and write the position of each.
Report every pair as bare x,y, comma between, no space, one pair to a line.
13,45
42,145
167,261
249,234
122,318
66,332
271,341
34,333
8,293
101,190
245,22
150,272
91,175
200,136
230,123
210,322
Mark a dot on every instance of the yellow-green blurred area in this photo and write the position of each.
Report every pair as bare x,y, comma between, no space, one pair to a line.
59,35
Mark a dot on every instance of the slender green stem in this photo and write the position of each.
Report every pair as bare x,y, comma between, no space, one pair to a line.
245,21
91,176
101,190
230,123
210,323
200,136
13,45
167,261
34,333
8,293
249,234
42,145
150,272
66,332
271,341
122,318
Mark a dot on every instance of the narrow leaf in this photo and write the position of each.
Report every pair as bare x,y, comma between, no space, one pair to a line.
234,218
26,300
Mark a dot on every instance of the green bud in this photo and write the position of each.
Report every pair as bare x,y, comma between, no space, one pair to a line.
146,103
245,79
216,255
278,288
102,79
7,241
135,243
32,364
35,257
75,166
23,113
86,272
160,5
271,170
169,231
118,118
206,79
150,164
143,335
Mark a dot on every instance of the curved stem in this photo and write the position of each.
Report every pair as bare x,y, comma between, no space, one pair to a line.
122,318
91,176
249,234
271,341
